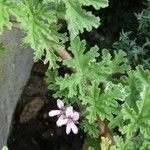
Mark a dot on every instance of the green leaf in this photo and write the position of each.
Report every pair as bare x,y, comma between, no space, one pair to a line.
42,32
108,66
81,62
143,75
102,105
138,119
116,121
71,82
145,145
97,4
118,64
136,143
90,129
121,144
130,81
5,9
79,19
51,81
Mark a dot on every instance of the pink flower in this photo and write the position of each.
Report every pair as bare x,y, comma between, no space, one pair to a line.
59,113
66,116
71,119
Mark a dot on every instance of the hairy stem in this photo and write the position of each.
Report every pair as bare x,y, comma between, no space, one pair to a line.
104,130
14,23
63,53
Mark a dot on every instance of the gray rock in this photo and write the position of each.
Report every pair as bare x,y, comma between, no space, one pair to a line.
15,68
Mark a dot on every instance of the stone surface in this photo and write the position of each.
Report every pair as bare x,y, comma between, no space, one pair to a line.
15,67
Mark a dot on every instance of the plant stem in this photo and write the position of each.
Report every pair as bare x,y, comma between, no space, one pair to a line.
14,23
63,53
104,130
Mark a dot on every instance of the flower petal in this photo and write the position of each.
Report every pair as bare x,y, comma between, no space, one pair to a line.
69,111
75,116
68,128
54,113
74,127
60,103
61,121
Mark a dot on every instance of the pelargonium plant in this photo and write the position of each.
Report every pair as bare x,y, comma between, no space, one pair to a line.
113,99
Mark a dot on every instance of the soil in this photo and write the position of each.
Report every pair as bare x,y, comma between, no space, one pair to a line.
32,128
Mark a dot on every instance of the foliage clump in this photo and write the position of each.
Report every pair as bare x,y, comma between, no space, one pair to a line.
108,88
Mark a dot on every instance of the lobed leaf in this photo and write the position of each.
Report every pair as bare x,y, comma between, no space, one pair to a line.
79,19
5,9
138,119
